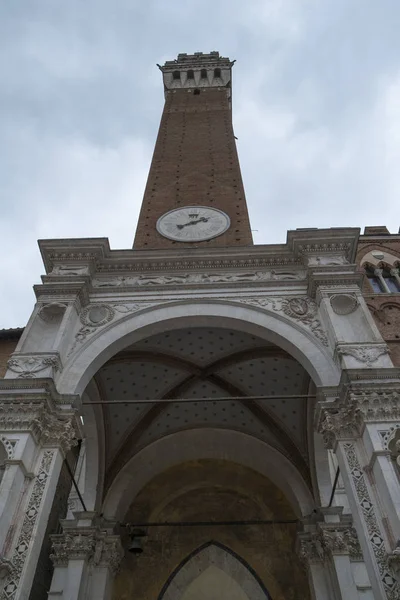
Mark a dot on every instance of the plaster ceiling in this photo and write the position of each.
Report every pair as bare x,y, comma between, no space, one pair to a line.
202,363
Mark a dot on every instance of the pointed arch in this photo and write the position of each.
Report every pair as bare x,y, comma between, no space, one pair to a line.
213,554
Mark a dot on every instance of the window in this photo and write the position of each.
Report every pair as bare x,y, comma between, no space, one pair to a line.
203,74
383,280
217,72
190,74
176,75
391,281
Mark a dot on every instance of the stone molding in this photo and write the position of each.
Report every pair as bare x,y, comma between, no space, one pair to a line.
326,540
96,547
27,366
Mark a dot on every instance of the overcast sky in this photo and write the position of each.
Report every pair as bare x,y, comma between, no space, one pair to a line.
316,102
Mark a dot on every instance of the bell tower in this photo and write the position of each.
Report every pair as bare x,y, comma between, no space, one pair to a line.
194,194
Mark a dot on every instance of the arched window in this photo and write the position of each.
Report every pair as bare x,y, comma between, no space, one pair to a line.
190,74
383,280
203,73
217,72
374,280
176,75
391,280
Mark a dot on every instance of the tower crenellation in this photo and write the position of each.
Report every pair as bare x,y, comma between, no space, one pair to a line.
197,70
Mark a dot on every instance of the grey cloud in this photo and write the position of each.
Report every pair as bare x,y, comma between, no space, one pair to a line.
316,96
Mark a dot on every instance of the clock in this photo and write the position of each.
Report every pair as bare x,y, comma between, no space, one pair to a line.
193,223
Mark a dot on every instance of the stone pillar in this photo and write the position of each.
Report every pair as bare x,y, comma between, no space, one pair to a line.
86,559
43,427
345,423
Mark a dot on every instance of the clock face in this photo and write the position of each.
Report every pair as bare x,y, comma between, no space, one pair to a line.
193,223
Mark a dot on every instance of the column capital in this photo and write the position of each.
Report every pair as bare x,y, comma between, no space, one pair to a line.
324,540
344,417
35,407
98,548
73,545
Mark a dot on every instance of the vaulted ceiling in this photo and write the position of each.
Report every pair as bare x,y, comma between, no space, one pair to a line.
202,363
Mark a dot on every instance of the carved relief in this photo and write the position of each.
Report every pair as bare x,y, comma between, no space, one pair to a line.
76,544
328,260
345,419
340,422
29,366
55,432
53,312
344,304
302,309
96,316
98,548
376,539
200,278
20,553
364,353
311,548
69,270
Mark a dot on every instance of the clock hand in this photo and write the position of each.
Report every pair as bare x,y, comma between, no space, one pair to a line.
201,220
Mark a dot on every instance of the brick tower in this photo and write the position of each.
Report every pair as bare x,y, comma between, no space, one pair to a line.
194,194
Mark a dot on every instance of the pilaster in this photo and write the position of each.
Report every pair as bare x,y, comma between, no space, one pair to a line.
41,427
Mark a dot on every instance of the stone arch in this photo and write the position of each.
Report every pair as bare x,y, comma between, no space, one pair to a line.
196,444
275,328
214,555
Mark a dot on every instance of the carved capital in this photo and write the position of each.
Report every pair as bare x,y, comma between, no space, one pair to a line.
394,561
339,539
54,431
74,545
311,548
339,422
98,548
6,567
109,553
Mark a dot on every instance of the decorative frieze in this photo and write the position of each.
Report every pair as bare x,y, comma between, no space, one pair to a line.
327,540
199,278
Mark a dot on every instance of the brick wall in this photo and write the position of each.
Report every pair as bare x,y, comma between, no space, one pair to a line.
384,307
195,162
8,342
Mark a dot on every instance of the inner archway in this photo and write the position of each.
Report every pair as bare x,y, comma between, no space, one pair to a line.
212,522
216,573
